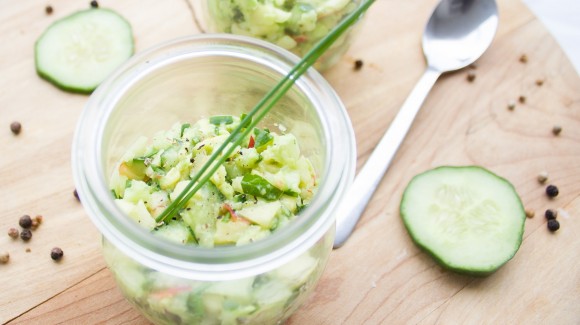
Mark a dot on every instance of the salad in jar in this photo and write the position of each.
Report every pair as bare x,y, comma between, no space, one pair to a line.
259,189
293,25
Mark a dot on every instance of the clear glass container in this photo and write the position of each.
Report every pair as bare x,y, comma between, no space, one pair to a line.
185,80
293,25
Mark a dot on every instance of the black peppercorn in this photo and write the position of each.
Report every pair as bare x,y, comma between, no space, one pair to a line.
552,191
553,225
550,214
48,10
470,76
25,221
94,4
358,64
26,234
56,253
15,127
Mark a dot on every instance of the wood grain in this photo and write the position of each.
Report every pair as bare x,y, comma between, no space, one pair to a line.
379,276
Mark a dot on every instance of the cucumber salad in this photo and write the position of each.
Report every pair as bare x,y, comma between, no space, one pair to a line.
260,188
257,190
293,25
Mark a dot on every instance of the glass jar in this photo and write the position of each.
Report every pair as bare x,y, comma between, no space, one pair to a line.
293,25
185,80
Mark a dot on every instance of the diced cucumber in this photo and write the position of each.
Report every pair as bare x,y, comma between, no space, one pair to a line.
138,212
175,231
227,233
134,169
77,52
263,214
239,290
469,219
297,273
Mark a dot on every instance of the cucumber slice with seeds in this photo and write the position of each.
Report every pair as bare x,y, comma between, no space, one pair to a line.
77,52
469,219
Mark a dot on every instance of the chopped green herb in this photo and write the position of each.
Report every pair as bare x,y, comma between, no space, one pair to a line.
258,186
221,119
183,127
263,138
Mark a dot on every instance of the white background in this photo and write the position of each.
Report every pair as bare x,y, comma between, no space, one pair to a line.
562,19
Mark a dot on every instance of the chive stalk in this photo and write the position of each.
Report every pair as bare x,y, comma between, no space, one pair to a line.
250,121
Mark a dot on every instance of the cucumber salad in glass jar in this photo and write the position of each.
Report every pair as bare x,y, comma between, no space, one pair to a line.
293,25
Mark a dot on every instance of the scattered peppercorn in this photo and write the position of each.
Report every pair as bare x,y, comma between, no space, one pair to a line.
39,218
358,64
76,194
94,4
26,234
522,99
556,130
511,105
539,82
530,213
13,233
34,224
470,76
551,214
48,10
524,58
4,257
543,177
56,254
552,190
25,221
15,127
553,225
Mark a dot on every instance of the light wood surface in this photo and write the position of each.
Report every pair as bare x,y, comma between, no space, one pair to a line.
379,276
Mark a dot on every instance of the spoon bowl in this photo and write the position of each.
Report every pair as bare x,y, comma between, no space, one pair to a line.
456,35
459,32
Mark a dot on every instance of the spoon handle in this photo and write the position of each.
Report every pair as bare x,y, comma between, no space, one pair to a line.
375,167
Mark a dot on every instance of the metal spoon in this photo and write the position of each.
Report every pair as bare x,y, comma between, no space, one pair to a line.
456,35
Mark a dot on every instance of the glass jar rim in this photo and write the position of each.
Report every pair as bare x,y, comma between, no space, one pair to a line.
217,262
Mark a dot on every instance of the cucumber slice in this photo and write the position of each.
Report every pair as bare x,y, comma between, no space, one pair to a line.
77,52
469,219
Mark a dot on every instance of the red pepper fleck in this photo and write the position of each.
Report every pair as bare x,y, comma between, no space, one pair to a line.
300,38
234,216
252,142
169,292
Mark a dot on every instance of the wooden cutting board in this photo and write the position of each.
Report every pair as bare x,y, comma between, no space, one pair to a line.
379,276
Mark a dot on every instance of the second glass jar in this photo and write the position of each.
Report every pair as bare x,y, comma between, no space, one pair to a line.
293,25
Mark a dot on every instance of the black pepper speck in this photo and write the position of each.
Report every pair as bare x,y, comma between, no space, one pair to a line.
25,221
15,127
553,225
552,190
56,253
26,234
550,214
